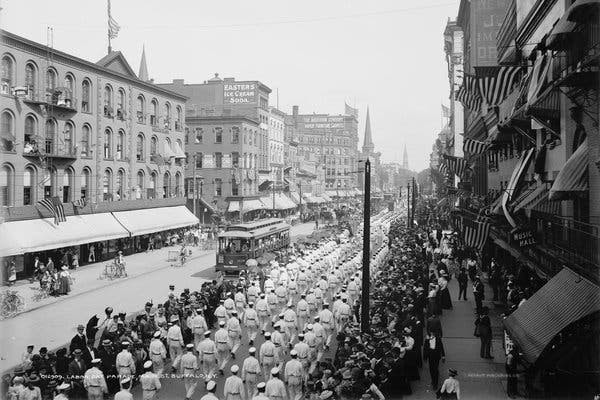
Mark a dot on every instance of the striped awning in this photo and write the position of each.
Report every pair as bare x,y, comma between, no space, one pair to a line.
247,205
525,192
515,179
532,195
564,299
573,178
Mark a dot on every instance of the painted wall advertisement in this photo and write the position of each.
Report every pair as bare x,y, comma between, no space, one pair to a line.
488,18
323,122
240,93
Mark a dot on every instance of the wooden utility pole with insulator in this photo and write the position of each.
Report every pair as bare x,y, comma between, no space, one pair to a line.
365,319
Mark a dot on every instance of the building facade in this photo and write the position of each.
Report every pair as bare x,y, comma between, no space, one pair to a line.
74,129
276,145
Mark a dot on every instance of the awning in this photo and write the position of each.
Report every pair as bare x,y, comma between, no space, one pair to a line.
282,202
151,220
249,205
562,36
515,179
208,206
178,150
573,177
266,185
544,205
529,198
583,11
564,299
295,197
167,151
524,193
20,237
546,110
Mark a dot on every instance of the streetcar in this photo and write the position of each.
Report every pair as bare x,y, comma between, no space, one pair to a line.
251,240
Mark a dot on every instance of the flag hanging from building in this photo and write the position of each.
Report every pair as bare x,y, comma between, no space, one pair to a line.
55,207
474,147
456,165
476,232
351,111
113,26
495,83
79,203
446,113
468,93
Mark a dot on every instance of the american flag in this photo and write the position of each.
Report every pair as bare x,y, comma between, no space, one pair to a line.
55,207
446,113
351,111
79,203
476,232
456,165
495,83
113,26
474,147
468,93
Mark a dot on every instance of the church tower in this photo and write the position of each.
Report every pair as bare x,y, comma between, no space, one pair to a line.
405,158
368,147
143,74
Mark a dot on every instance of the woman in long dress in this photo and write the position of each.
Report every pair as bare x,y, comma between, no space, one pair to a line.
445,293
64,281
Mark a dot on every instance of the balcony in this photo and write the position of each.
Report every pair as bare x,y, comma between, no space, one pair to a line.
51,150
59,99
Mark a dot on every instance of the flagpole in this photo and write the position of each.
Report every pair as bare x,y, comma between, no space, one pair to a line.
108,26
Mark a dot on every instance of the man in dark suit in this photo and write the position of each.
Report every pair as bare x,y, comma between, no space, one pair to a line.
434,325
478,293
433,352
77,369
89,352
79,341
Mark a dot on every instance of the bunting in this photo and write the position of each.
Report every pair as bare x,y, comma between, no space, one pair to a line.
55,207
456,165
474,147
495,83
468,93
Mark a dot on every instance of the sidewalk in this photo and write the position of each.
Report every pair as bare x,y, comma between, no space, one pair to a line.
87,278
479,378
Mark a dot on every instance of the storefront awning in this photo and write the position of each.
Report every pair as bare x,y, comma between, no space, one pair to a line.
566,298
152,220
573,177
530,197
515,179
282,202
20,237
178,151
248,205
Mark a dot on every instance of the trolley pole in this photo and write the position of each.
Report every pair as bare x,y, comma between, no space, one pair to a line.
408,204
194,183
414,201
365,319
273,198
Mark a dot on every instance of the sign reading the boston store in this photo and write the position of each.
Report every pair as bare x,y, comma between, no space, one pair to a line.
523,237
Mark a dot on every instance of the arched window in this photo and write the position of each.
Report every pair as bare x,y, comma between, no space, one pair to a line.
85,140
70,85
108,101
107,144
139,147
8,76
178,184
151,191
153,146
154,113
68,136
6,185
107,188
86,98
30,79
50,136
51,79
121,145
139,188
121,104
7,127
179,120
31,130
85,183
167,185
67,185
141,110
29,184
49,182
167,116
120,184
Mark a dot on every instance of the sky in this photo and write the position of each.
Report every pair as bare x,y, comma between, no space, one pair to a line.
385,54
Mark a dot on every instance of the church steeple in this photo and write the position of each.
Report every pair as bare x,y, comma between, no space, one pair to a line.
368,146
405,158
143,74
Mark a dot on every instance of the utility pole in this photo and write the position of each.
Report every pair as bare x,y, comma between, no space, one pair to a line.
273,183
414,201
366,261
203,208
300,205
194,183
408,224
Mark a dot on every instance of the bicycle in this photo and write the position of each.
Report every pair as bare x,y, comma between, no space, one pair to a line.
11,303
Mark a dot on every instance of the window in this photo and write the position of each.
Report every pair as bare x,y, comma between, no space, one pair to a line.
218,134
166,185
167,116
107,185
6,185
7,78
139,189
85,141
86,97
218,160
218,187
141,109
68,135
199,135
31,129
7,127
235,134
178,121
50,79
235,159
120,184
108,102
198,160
121,145
107,144
154,112
70,84
28,185
139,147
49,180
66,185
151,191
85,182
177,184
153,146
121,104
50,136
30,79
235,190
